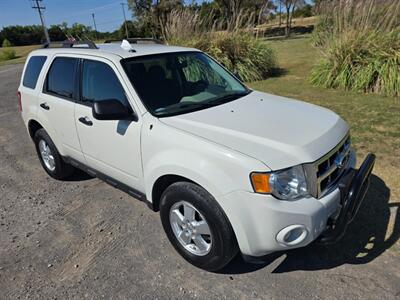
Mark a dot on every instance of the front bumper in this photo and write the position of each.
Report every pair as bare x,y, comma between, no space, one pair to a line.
259,221
353,188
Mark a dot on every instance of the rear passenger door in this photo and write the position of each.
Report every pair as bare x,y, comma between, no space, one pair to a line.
111,147
57,104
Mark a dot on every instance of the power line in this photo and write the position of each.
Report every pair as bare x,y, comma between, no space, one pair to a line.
109,22
97,8
126,25
40,11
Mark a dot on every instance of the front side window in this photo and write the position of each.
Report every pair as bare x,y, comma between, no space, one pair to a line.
99,82
61,77
175,83
32,71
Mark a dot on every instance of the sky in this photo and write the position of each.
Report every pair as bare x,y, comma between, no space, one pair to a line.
108,13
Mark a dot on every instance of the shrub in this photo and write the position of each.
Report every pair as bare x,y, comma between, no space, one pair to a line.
360,42
237,50
6,43
7,54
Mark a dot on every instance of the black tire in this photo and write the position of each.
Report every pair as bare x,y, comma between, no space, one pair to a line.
224,245
62,170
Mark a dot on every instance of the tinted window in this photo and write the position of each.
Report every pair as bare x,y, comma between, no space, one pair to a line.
99,82
61,77
32,71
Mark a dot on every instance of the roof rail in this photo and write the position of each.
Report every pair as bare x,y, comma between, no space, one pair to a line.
137,41
71,44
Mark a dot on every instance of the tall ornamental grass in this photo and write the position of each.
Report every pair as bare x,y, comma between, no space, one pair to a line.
360,42
236,49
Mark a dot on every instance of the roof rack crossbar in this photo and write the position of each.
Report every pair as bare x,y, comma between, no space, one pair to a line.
71,44
136,41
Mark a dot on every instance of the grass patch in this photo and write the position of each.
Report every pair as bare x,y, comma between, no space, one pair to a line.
21,53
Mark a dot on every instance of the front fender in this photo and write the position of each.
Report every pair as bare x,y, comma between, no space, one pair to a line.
170,151
190,166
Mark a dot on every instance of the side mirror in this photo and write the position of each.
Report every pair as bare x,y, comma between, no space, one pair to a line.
112,109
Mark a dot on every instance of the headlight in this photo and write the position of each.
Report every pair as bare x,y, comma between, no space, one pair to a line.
286,184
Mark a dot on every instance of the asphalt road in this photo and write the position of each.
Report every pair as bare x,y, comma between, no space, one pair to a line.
84,239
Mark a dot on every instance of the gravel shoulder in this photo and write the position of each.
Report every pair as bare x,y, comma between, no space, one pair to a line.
83,238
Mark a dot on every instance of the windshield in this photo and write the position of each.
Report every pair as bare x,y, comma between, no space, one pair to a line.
175,83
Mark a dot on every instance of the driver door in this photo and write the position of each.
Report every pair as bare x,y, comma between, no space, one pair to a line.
111,147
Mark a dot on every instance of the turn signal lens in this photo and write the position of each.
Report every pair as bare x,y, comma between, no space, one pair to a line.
260,182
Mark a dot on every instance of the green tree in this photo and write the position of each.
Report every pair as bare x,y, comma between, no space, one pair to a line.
152,15
56,33
23,35
79,31
305,11
236,13
134,30
290,6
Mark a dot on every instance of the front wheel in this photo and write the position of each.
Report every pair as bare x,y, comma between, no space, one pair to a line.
197,226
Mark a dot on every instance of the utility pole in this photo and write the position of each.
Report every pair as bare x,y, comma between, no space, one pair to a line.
280,13
40,10
126,25
95,27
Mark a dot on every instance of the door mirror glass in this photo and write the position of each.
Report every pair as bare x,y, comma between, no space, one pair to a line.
112,109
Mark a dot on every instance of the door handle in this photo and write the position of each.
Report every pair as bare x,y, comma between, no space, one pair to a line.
86,121
44,106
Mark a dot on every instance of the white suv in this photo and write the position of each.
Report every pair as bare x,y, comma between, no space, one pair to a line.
230,169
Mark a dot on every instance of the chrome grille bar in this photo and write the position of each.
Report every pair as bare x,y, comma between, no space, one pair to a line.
333,167
325,172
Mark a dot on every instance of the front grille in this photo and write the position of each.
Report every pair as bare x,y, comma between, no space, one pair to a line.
325,172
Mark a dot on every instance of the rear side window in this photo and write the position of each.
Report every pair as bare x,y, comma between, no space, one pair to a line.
99,82
61,77
32,71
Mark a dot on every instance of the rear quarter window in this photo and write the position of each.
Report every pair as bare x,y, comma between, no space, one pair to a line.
32,71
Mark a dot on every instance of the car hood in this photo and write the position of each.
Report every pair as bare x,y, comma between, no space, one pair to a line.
280,132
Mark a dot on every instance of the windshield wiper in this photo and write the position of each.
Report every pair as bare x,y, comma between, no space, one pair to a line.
227,98
188,106
179,105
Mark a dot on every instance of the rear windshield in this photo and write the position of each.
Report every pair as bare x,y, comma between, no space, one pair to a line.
32,71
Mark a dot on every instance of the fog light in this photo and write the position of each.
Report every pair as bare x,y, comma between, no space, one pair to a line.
292,235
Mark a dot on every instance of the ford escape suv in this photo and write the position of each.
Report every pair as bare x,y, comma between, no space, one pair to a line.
229,169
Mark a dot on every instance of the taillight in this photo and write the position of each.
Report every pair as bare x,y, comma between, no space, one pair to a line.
19,101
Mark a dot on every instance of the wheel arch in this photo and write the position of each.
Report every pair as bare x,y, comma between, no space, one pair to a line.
161,184
33,127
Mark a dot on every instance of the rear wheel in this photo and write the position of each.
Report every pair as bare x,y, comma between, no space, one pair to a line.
49,157
197,226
